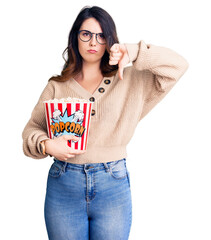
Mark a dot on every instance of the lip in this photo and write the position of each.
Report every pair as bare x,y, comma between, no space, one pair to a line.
92,51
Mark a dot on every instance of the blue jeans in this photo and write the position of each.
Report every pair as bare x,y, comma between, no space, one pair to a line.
88,201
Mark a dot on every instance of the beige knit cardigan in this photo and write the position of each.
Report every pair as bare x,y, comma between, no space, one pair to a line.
118,109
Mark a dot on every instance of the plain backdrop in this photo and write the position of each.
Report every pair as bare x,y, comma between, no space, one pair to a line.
169,155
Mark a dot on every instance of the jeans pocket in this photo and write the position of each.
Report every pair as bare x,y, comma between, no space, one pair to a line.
56,169
119,169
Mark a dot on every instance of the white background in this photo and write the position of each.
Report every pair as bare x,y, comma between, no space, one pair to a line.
169,155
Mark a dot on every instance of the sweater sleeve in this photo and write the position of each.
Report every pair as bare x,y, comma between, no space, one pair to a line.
162,68
35,130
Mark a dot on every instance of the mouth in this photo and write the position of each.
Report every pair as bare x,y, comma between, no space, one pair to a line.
92,51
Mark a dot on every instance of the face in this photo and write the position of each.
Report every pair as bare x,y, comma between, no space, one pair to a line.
91,51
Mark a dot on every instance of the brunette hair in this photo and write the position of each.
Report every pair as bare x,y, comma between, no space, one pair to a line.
73,63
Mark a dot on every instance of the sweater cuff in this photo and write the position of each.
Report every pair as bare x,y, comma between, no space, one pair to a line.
132,50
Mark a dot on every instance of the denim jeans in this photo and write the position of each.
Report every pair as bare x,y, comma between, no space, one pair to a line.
88,201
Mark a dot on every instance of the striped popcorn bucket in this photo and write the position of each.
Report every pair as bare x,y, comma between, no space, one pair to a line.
69,118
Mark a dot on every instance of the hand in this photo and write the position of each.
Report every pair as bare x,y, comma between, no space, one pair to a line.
119,55
58,147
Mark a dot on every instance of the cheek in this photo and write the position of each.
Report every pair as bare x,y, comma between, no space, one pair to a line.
80,48
102,50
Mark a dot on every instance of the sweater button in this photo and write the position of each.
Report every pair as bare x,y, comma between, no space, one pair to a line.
93,112
101,90
92,99
107,81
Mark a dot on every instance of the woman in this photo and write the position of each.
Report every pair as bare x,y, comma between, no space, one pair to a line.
88,192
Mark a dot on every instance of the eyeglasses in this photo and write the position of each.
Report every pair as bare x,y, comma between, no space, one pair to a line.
86,36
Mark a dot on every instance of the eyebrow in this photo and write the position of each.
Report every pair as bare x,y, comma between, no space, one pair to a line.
88,31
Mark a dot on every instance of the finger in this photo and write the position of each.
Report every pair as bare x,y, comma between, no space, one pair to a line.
113,62
115,54
65,158
70,137
76,152
70,156
114,58
115,48
73,153
120,72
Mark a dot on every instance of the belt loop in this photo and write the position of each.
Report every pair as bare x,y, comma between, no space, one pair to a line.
106,167
64,167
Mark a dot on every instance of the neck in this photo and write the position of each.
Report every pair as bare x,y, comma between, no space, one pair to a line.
90,71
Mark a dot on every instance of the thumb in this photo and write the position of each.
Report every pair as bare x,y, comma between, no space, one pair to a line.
70,137
120,71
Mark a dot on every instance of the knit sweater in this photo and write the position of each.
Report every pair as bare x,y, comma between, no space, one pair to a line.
118,109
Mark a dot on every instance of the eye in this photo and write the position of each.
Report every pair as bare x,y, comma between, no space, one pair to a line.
101,35
85,33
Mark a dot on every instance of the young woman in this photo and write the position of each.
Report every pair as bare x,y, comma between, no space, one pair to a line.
88,192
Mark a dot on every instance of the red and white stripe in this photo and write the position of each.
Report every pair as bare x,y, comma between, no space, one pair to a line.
71,108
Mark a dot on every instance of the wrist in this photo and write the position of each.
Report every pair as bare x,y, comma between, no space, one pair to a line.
48,147
42,147
132,50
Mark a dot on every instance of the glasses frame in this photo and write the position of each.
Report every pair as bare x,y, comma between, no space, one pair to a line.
96,34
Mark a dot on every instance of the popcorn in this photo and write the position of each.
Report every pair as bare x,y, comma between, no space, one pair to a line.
69,116
66,100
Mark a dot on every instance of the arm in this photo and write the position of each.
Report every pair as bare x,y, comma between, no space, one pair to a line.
35,130
165,66
160,66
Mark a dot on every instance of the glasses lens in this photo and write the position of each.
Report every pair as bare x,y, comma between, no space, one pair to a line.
85,35
101,38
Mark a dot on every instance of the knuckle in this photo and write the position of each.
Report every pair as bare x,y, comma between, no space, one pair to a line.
77,153
71,151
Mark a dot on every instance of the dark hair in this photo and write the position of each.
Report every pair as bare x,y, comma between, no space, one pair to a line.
73,63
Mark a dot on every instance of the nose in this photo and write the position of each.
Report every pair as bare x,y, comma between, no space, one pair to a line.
93,40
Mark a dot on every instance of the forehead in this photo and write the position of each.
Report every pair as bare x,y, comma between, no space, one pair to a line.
92,25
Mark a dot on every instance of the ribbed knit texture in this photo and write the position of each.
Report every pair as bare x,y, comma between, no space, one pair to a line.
119,109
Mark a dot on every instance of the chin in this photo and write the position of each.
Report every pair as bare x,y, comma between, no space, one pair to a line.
92,59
